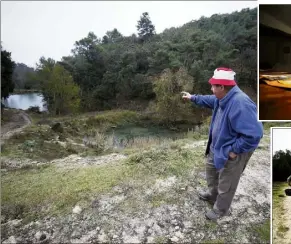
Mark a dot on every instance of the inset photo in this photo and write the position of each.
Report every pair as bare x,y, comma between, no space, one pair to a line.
281,154
274,62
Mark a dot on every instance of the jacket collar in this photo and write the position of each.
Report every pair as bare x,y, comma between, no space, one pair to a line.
229,95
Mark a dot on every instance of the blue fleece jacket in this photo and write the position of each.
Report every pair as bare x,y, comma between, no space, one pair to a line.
240,130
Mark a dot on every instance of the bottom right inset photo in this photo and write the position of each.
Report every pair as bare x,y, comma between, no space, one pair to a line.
281,163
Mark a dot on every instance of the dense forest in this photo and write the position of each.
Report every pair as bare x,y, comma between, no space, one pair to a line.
116,71
21,76
281,165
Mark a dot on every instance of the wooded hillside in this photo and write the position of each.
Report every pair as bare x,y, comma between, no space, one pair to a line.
107,72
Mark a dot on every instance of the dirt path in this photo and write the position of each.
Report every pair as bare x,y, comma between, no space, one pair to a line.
287,218
14,121
281,214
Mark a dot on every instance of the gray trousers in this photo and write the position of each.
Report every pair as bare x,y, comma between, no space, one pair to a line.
222,184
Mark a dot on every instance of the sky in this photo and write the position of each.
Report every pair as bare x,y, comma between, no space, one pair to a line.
33,29
281,139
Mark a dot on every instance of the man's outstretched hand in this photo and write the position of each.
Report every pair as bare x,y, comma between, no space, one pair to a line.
186,95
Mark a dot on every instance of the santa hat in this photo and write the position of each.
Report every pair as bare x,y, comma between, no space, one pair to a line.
223,76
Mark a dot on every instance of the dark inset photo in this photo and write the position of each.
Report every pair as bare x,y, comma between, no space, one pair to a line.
281,153
274,62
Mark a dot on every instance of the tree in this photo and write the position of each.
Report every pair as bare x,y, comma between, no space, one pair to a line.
44,63
145,27
86,44
281,165
105,40
7,67
168,98
58,88
113,36
89,62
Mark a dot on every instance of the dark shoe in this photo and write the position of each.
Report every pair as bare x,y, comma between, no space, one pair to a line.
205,196
214,216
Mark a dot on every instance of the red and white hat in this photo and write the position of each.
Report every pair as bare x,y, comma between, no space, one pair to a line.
223,76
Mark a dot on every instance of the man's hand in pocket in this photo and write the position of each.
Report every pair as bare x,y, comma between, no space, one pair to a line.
232,155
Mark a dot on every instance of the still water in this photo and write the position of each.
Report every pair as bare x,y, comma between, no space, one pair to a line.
128,134
24,101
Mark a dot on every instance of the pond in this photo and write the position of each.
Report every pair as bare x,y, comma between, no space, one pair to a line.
24,101
131,134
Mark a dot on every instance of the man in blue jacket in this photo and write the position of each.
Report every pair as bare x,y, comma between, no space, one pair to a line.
234,134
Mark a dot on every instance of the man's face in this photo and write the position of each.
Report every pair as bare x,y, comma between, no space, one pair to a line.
218,91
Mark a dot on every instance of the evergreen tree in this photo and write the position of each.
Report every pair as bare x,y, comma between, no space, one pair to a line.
145,27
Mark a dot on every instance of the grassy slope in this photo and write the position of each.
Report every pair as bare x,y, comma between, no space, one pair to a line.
52,191
59,190
38,142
